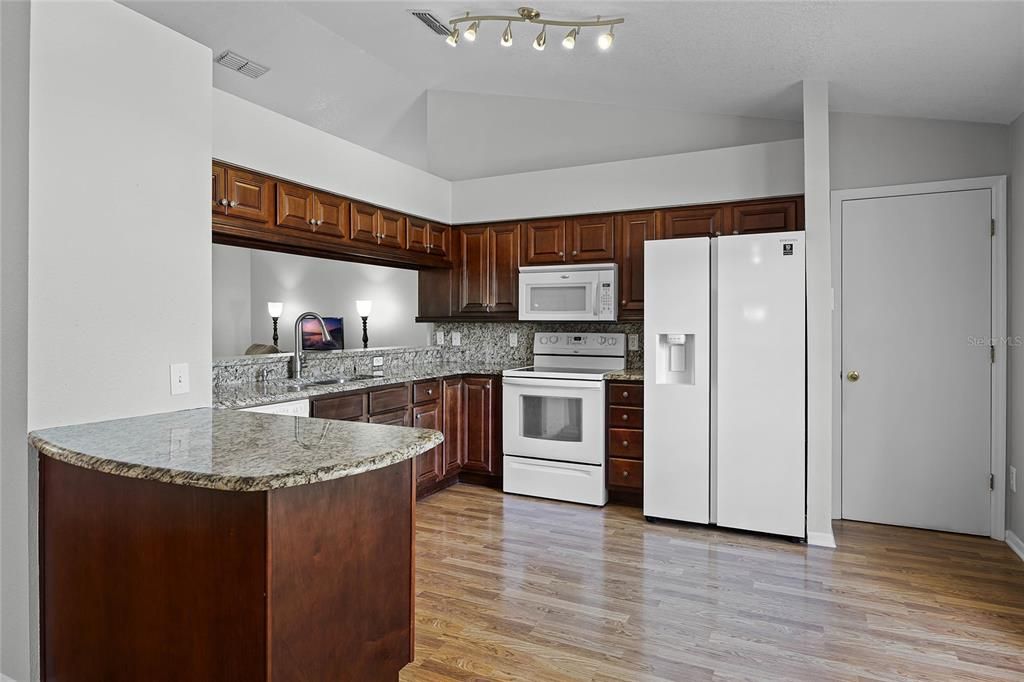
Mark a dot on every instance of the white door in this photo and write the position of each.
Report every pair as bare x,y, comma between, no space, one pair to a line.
916,397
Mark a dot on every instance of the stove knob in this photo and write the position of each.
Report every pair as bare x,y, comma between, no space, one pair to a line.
543,340
601,340
552,339
612,341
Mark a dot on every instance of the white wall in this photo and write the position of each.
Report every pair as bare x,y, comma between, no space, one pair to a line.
232,300
18,600
119,223
757,170
873,151
476,135
252,136
1015,353
332,288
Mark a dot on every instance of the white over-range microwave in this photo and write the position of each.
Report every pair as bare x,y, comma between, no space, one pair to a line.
569,293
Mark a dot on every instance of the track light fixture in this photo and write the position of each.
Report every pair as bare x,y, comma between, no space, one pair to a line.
532,16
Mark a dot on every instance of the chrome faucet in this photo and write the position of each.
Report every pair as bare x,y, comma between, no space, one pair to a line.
297,361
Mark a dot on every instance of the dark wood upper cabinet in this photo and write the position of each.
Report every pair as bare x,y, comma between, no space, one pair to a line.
392,228
295,207
218,193
503,264
331,213
694,221
364,222
417,235
593,239
481,450
785,215
250,196
634,230
439,235
544,242
474,270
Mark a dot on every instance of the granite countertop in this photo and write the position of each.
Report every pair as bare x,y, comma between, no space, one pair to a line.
631,374
254,394
232,450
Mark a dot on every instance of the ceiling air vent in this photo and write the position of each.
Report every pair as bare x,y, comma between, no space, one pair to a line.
237,62
431,22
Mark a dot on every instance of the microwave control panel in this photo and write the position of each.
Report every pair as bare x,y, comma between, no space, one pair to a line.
606,300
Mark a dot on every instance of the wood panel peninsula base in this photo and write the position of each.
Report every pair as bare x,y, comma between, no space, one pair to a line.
145,579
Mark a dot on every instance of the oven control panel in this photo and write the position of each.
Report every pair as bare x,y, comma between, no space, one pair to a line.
588,343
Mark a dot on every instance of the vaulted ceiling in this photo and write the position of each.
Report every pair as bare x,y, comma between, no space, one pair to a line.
371,73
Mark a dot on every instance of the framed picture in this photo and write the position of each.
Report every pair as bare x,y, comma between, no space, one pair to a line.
313,337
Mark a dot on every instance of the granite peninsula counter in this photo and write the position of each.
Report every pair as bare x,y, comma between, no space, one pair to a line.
165,539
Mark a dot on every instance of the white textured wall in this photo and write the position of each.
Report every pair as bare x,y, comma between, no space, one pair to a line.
757,170
1015,353
250,135
873,151
19,639
332,288
232,300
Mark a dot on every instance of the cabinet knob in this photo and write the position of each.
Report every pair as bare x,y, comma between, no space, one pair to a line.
574,252
625,417
223,202
625,474
623,301
625,443
232,203
312,221
625,394
430,391
561,254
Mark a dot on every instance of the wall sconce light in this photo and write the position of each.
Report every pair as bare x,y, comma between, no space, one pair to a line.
275,308
363,308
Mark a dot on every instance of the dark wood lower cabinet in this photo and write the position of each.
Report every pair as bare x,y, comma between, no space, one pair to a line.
625,444
482,412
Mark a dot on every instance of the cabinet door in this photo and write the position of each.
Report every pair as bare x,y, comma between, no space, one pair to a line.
392,228
765,216
364,223
695,221
474,271
593,239
331,213
428,464
218,192
452,426
250,196
480,454
544,242
634,230
295,209
417,235
504,268
439,235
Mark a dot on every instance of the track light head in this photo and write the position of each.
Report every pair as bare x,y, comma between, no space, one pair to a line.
453,37
569,41
605,40
471,31
541,40
506,37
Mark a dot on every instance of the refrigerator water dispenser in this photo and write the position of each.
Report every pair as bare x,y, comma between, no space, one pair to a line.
674,359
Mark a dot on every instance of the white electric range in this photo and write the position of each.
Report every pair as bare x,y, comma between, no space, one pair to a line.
554,417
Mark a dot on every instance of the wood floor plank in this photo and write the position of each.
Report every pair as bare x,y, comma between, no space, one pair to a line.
515,588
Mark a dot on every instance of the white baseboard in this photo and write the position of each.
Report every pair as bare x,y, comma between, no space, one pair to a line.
1015,543
819,539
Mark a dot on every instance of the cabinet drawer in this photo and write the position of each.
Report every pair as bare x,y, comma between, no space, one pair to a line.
626,394
345,407
626,417
426,391
625,473
387,399
626,443
394,417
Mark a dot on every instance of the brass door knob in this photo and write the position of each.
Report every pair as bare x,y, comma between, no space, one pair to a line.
853,375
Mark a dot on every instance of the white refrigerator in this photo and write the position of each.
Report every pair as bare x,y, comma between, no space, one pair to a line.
724,381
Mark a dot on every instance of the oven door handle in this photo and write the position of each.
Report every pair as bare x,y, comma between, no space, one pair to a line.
556,383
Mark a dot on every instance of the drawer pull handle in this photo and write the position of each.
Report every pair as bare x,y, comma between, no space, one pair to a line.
625,417
625,394
430,391
625,443
625,474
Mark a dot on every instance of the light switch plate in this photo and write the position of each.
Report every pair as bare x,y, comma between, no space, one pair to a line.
513,339
1013,479
439,338
633,341
456,339
378,360
179,378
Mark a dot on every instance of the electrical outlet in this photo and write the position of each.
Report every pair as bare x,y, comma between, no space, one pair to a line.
180,440
633,341
456,339
378,360
439,338
179,378
513,339
1013,479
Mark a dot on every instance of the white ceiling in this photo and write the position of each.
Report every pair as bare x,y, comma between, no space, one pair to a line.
362,70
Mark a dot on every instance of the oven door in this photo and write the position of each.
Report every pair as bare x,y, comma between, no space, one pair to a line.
559,296
556,419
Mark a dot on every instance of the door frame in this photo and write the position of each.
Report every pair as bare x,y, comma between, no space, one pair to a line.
997,185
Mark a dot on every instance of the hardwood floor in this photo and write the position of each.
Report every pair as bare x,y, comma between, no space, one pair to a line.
514,588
